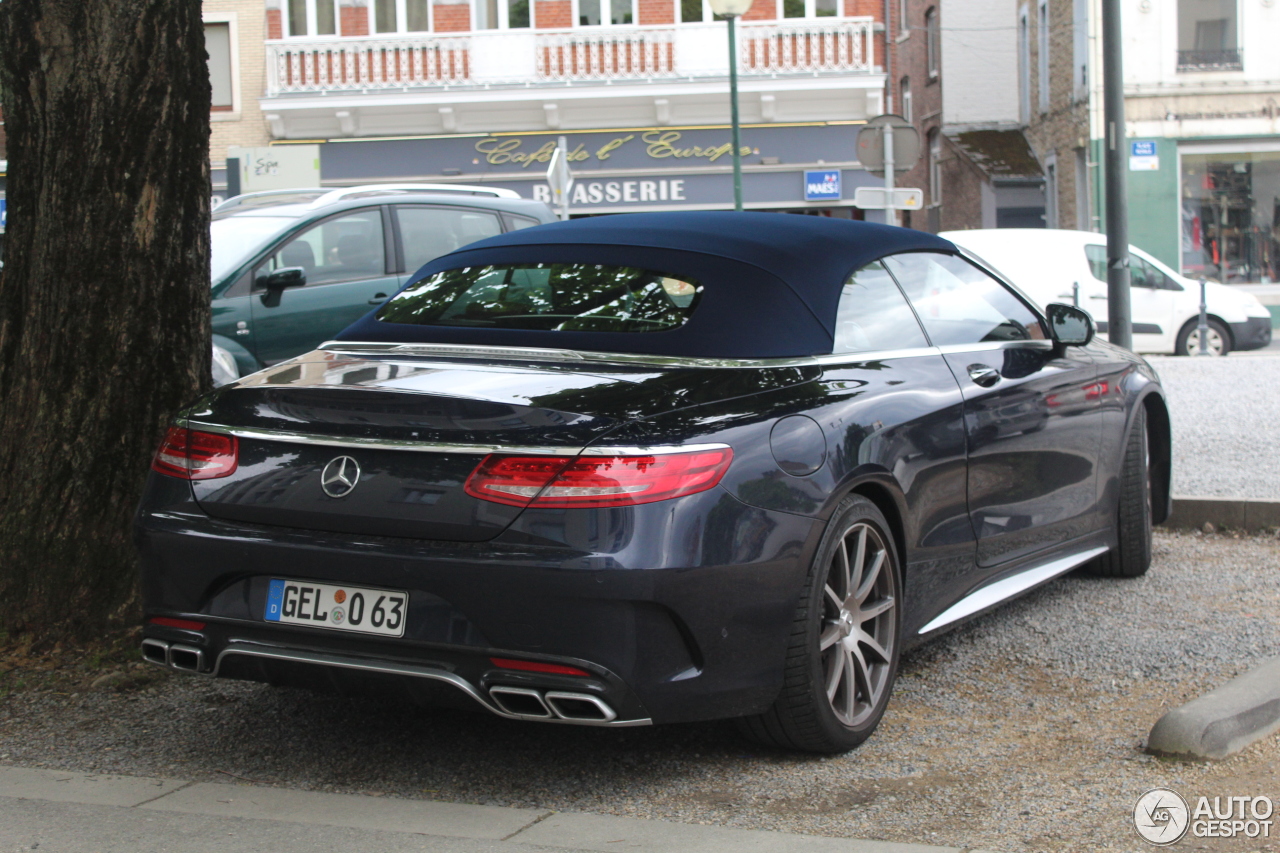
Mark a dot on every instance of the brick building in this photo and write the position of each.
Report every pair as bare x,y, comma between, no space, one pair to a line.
962,81
476,90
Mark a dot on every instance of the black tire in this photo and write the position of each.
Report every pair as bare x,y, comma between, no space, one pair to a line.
833,698
1132,556
1188,342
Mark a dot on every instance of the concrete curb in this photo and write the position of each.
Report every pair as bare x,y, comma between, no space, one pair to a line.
1223,721
501,828
1249,514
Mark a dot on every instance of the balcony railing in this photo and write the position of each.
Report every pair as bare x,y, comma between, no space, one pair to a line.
594,54
597,54
1210,60
338,64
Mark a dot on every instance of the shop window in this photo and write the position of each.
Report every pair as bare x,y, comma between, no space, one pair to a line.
1208,36
217,42
1231,216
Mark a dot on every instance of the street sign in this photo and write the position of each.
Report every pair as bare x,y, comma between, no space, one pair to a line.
1143,156
560,178
822,186
906,144
880,198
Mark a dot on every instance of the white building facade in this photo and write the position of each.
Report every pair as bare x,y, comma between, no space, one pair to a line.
1202,103
478,91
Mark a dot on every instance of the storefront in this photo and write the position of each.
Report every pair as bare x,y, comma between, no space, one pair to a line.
1231,211
809,167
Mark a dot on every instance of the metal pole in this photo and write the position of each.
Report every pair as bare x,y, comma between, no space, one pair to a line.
733,98
1203,328
1119,315
890,212
563,144
1075,292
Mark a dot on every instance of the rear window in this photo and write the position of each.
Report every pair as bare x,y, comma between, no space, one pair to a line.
548,297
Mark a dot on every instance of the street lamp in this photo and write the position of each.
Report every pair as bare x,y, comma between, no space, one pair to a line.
730,10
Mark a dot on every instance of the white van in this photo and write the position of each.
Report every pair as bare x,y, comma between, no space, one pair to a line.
1045,263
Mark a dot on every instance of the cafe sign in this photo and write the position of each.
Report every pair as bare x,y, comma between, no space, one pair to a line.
657,145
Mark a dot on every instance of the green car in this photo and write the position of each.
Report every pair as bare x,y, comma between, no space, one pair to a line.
292,268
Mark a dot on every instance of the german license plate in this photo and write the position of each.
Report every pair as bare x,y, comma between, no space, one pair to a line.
342,608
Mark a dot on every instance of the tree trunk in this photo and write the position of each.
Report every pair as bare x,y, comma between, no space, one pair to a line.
104,299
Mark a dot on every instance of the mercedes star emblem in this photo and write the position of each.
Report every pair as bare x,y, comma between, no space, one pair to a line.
340,476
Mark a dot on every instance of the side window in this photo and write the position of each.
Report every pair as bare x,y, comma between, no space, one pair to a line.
1097,256
429,232
344,248
873,315
959,303
1143,273
515,223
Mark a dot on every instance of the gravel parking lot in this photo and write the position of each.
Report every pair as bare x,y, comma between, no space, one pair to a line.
1020,732
1226,424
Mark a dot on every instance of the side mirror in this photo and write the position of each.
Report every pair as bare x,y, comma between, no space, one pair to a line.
276,281
1069,326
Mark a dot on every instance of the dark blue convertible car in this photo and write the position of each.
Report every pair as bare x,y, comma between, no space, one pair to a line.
653,468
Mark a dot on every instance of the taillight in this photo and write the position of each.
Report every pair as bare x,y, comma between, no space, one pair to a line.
595,481
194,455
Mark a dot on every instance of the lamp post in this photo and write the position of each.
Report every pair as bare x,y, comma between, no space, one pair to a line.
731,10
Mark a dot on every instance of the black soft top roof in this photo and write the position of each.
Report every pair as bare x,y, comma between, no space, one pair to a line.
772,281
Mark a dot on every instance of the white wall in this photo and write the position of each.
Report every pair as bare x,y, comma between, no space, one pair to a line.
979,62
1151,46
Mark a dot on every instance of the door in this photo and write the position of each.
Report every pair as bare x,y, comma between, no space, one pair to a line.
1151,300
1031,413
345,261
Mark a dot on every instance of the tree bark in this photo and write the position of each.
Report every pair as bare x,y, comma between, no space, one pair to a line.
104,299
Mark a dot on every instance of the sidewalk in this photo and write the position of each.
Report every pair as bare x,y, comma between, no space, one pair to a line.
75,812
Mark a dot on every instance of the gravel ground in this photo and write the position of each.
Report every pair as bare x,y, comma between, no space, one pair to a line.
1226,425
1022,731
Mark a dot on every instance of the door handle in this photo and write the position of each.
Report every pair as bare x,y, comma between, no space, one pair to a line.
378,299
983,375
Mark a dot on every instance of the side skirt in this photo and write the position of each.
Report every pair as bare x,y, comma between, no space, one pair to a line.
984,598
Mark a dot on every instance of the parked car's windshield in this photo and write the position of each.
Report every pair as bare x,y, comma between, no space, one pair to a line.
236,237
548,297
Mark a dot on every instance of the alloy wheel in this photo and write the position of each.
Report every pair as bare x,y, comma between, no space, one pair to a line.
859,625
1215,342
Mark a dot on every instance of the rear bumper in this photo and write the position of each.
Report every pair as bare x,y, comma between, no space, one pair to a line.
681,640
1253,333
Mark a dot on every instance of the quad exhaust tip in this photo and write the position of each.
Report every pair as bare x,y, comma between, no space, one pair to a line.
528,704
174,656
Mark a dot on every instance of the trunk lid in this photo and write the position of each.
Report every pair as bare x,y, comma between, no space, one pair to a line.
414,430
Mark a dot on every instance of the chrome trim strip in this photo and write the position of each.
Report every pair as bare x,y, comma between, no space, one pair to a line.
585,356
1002,590
289,437
344,662
995,345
